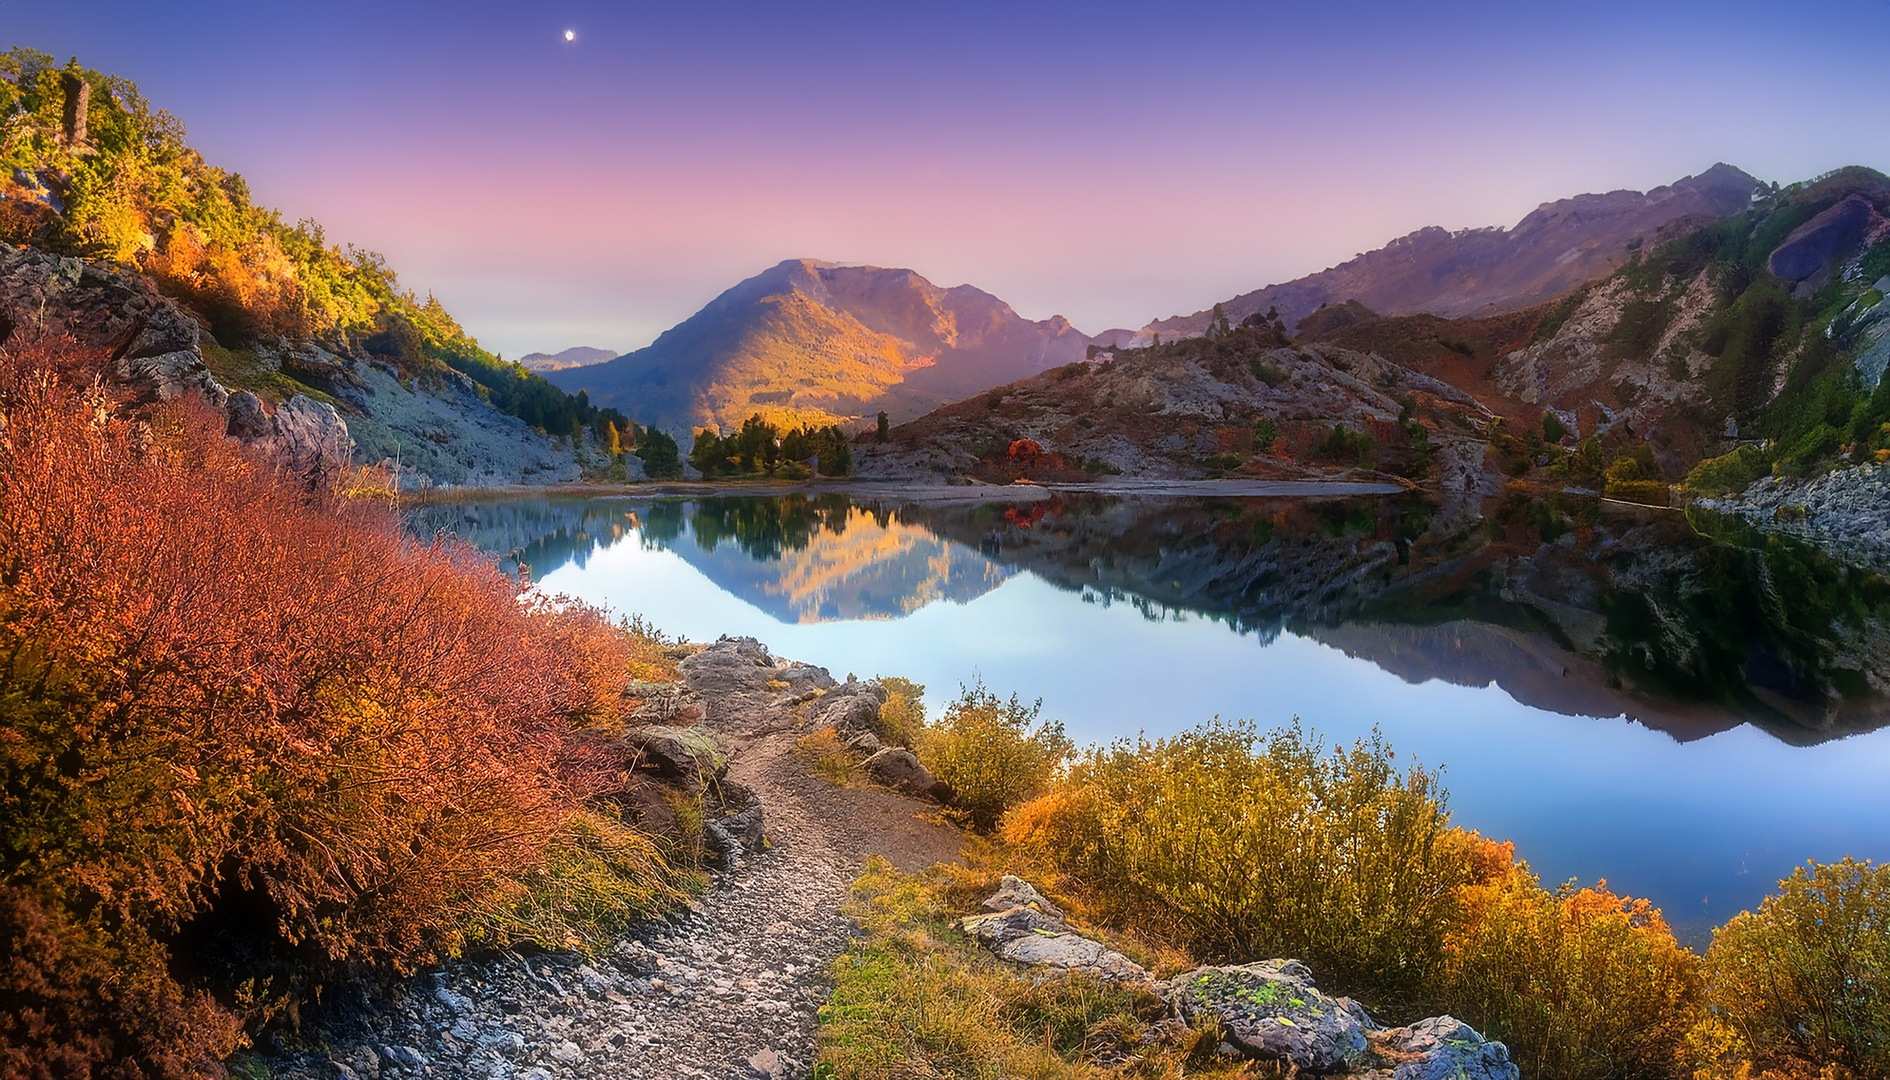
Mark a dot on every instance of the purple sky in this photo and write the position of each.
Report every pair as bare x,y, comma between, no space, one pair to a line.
1111,163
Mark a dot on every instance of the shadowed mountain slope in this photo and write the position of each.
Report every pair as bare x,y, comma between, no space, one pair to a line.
812,341
1555,248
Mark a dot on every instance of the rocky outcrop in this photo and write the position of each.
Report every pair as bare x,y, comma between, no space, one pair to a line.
1832,235
1029,933
690,755
899,769
851,709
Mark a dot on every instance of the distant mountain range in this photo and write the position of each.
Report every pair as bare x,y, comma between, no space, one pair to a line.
812,341
1489,271
576,356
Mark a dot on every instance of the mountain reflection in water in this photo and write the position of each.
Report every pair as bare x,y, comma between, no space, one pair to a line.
1687,624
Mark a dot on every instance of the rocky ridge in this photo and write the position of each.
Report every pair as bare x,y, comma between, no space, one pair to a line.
1845,512
1556,247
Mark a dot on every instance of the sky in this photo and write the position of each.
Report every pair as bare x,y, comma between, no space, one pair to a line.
1112,163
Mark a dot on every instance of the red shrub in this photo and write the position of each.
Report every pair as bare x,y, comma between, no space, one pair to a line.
221,693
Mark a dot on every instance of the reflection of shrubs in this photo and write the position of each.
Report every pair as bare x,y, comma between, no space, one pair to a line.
994,753
1634,477
1223,461
1803,984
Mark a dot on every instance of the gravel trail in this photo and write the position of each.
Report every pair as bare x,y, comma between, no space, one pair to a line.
727,988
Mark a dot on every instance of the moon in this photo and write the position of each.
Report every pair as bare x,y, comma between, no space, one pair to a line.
570,35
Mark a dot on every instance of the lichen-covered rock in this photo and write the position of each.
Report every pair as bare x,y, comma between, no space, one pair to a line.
689,753
1440,1048
899,769
1272,1011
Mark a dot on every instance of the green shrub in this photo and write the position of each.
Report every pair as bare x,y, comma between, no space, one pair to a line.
1728,473
994,753
1265,434
1342,444
1223,462
1803,984
1809,450
1552,429
1266,372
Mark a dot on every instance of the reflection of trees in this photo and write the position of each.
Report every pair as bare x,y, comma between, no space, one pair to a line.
765,526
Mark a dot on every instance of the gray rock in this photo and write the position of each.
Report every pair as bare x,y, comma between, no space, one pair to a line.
1441,1048
851,708
1031,935
1014,891
766,1065
1830,235
1272,1011
310,438
247,418
865,742
674,752
899,769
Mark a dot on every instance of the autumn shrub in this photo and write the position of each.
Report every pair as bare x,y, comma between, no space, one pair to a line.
824,753
902,714
250,734
994,753
1264,846
1580,983
1802,986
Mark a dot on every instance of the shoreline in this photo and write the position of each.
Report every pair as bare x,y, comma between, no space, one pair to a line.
922,492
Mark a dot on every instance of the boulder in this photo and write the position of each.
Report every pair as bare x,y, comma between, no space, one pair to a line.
310,438
898,768
851,708
247,419
1441,1048
1271,1011
675,752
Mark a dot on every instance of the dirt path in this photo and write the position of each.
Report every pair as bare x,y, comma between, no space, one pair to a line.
729,988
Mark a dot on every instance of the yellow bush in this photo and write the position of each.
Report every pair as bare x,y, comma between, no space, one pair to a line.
994,753
902,717
1579,983
1264,847
1803,984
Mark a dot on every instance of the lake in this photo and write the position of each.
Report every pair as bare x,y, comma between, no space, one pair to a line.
1670,702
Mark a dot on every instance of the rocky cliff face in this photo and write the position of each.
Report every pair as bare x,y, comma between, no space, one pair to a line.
320,410
813,341
1555,248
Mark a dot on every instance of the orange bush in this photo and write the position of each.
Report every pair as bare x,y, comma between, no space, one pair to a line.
252,725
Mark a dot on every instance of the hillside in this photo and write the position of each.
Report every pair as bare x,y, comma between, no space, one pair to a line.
810,341
1557,247
1247,404
92,173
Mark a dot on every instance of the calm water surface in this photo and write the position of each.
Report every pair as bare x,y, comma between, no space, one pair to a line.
1682,709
